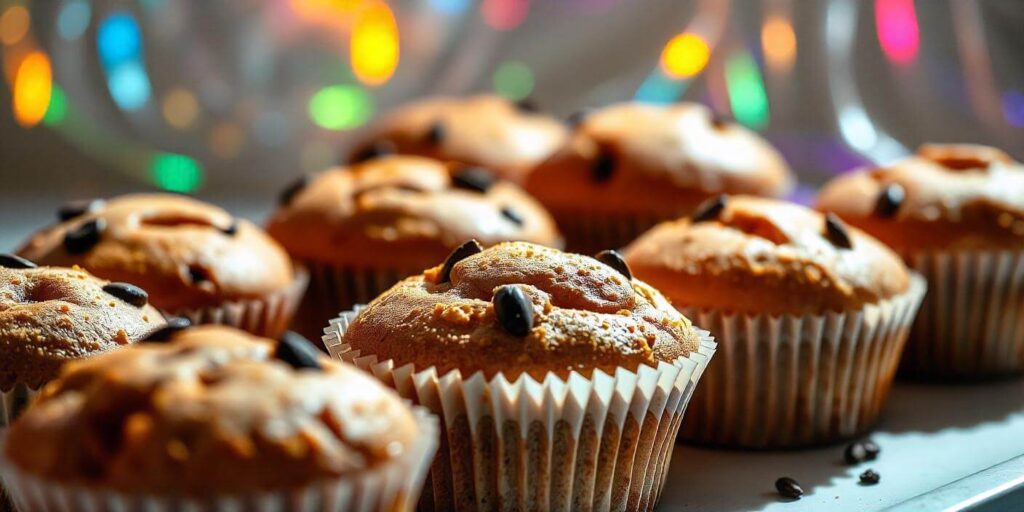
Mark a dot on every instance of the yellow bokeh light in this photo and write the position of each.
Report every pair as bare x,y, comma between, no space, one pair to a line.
685,55
779,43
374,45
14,23
33,85
180,108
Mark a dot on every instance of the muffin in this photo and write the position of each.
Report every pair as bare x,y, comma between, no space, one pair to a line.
212,418
561,380
362,228
52,315
484,131
628,166
956,215
194,259
811,317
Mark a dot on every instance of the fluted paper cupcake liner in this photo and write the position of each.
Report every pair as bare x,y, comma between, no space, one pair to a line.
265,316
971,323
598,443
395,486
16,400
791,381
588,233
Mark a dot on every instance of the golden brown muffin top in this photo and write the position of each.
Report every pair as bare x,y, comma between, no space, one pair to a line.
946,197
488,131
211,410
51,315
763,256
185,253
471,314
647,159
404,211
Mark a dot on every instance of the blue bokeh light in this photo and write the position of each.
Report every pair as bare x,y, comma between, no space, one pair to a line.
119,39
73,19
450,6
129,85
660,88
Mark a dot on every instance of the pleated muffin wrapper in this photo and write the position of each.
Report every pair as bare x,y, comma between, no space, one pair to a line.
598,443
794,381
590,232
971,324
267,316
394,486
16,400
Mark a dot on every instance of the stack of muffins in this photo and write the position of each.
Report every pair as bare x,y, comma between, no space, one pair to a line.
561,379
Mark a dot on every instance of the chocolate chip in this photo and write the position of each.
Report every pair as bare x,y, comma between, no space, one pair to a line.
232,228
377,149
709,209
512,216
78,208
528,106
293,189
836,232
129,293
14,261
603,167
789,488
197,274
871,449
435,134
297,351
460,253
473,178
175,324
83,237
890,200
514,310
860,451
718,121
614,260
576,118
870,477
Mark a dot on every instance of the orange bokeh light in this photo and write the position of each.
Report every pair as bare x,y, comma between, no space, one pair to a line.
374,47
779,43
33,85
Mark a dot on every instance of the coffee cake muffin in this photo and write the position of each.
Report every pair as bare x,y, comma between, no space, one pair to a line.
956,214
52,315
194,259
361,229
486,131
561,379
811,317
212,418
628,166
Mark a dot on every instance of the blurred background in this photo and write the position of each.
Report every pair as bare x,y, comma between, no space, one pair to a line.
230,99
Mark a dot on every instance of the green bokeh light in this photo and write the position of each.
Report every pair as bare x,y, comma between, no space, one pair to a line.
747,96
57,110
513,80
177,173
341,107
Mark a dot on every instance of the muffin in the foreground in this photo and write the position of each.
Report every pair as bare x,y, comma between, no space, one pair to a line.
562,381
361,229
214,419
810,316
956,215
628,166
195,259
486,131
52,315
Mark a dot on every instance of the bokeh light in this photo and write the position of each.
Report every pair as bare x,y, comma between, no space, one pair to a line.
513,80
180,108
374,46
660,88
897,29
32,88
119,43
14,24
504,14
450,7
226,139
57,110
685,55
747,96
174,172
129,86
341,107
73,19
1013,108
779,43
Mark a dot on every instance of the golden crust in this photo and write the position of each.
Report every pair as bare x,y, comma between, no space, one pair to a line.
175,248
51,315
210,412
403,212
588,316
665,161
957,197
763,256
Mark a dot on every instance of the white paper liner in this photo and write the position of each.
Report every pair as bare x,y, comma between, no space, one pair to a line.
15,400
588,233
791,381
602,443
266,316
393,486
971,323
